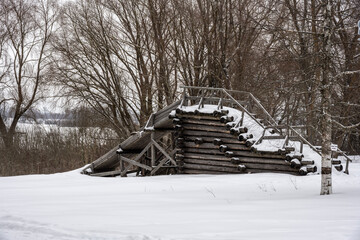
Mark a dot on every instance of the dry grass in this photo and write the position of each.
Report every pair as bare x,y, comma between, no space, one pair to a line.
40,151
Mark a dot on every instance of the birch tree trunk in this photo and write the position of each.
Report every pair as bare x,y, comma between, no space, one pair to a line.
326,181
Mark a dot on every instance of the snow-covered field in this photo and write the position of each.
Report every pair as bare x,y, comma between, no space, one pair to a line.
256,206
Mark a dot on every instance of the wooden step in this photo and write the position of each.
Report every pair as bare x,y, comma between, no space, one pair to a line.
203,122
211,140
206,157
198,117
212,146
247,171
211,168
200,133
242,160
197,127
209,162
236,153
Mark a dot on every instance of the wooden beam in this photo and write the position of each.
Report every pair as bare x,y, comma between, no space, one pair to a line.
192,133
209,162
195,171
163,152
236,153
197,117
137,158
105,174
205,128
153,153
239,147
242,160
216,123
162,162
211,168
211,140
206,157
135,163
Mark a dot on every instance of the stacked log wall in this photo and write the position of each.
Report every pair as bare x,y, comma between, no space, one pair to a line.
205,145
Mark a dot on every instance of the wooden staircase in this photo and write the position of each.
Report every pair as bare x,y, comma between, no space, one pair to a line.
206,145
186,137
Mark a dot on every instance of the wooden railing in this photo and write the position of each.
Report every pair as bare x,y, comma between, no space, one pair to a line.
221,95
247,104
226,97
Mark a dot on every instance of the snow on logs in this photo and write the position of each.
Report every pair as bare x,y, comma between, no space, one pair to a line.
214,143
245,136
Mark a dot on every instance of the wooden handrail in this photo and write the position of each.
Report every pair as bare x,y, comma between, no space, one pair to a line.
304,140
242,108
273,125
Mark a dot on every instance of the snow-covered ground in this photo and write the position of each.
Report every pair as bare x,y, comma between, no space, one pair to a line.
255,206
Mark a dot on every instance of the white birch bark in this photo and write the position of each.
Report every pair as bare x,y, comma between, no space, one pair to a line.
326,181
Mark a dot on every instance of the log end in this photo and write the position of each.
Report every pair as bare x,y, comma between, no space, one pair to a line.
241,168
235,160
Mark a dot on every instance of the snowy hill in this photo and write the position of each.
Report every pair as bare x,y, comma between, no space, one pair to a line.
250,206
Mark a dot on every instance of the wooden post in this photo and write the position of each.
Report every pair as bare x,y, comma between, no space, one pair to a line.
242,118
221,100
287,130
122,166
123,172
347,167
250,104
153,153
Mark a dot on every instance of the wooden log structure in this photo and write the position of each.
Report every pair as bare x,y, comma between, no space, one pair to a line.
245,136
335,162
208,145
250,142
339,167
238,130
204,142
218,141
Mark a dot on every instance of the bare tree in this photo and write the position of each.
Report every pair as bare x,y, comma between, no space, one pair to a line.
326,179
28,26
346,99
87,66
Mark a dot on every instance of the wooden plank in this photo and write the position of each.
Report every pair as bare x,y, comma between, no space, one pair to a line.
269,171
258,155
163,152
209,162
216,123
236,153
195,171
105,174
247,171
167,109
206,151
211,168
110,158
204,145
161,163
206,128
153,152
206,157
135,163
237,147
198,117
231,143
137,158
270,167
262,161
192,133
248,165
